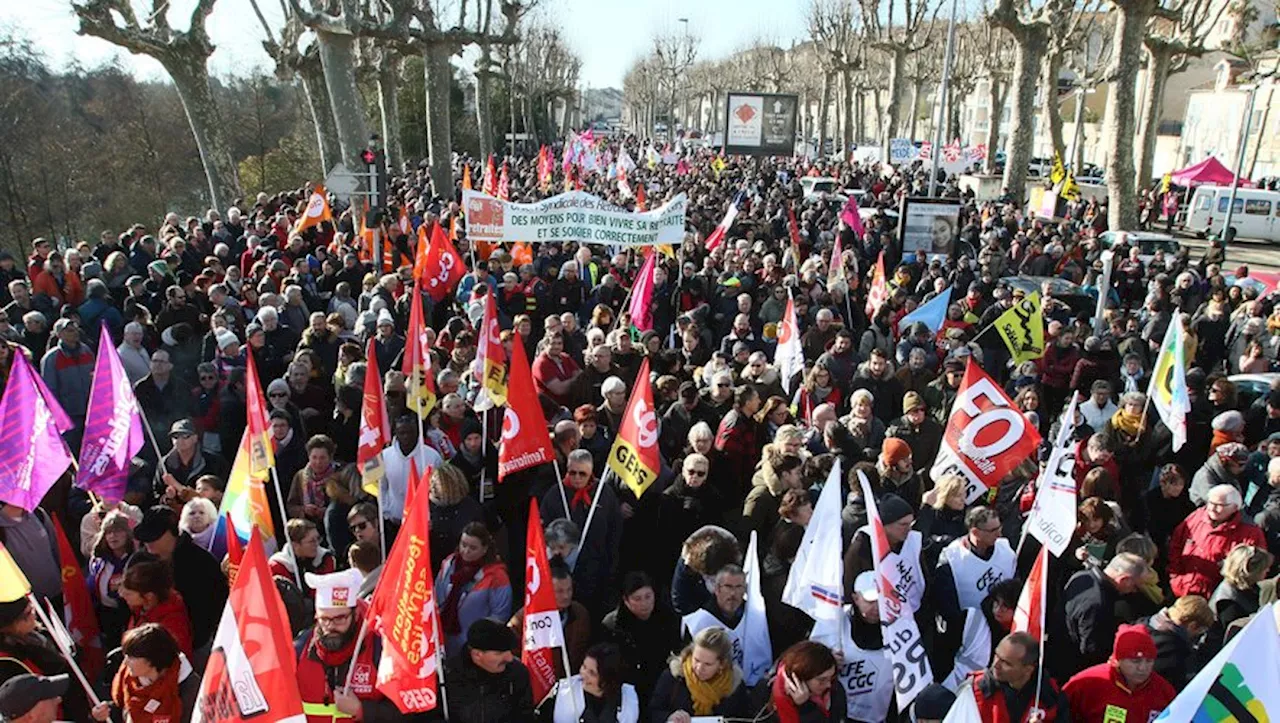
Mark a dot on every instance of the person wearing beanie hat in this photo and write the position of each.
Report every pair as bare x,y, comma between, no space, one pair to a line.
1225,465
941,392
1126,687
905,545
1227,427
896,465
932,704
485,682
25,649
921,433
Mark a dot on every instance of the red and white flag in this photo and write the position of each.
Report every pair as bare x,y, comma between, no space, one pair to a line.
878,292
491,360
911,671
634,456
986,436
443,266
722,229
504,183
542,630
489,184
252,671
1028,617
525,442
375,428
789,355
403,611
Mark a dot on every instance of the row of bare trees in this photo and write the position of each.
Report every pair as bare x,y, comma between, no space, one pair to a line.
870,71
349,59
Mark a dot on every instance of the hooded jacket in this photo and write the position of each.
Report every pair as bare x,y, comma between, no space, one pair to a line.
1198,548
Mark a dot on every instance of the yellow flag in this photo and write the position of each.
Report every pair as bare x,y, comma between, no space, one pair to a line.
1070,189
1057,172
1165,182
13,584
1022,328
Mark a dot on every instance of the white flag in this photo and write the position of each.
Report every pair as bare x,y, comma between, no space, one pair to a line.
965,709
757,649
816,581
1241,683
788,356
1053,514
1168,389
911,671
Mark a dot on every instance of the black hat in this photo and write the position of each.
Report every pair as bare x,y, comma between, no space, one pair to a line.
155,522
893,508
12,611
469,427
934,702
488,635
21,693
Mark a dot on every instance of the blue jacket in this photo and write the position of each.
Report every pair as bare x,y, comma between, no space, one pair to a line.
69,375
487,595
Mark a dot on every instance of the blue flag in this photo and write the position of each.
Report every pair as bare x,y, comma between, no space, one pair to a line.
931,313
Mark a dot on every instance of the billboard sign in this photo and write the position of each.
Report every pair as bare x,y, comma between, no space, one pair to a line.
761,124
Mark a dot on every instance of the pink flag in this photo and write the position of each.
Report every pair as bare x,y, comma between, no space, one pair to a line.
641,309
849,214
112,428
33,454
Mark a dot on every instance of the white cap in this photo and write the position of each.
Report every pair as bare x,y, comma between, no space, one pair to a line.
865,586
225,338
384,317
336,590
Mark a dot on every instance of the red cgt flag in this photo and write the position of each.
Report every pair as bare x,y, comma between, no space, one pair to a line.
375,429
489,185
404,614
443,267
542,630
82,621
525,442
504,183
252,673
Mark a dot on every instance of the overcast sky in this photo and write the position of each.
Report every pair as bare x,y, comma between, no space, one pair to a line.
608,34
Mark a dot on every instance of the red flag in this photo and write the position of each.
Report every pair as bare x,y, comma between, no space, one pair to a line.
878,293
404,613
542,630
375,429
252,671
722,229
794,228
489,186
986,436
466,176
420,253
525,442
411,489
1028,616
235,553
262,455
642,203
416,362
504,183
544,168
82,621
634,455
443,267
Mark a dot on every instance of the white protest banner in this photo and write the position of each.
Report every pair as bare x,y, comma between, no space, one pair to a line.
574,216
901,150
1053,515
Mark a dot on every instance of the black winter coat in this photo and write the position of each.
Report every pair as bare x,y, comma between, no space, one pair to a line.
477,696
645,644
672,694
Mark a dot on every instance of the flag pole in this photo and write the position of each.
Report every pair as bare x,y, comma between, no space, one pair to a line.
484,448
355,655
382,530
66,654
284,521
591,513
560,486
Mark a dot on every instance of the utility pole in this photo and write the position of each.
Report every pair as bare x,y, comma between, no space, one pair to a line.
942,100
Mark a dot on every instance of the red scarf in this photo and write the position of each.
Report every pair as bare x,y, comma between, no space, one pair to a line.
159,702
583,495
787,710
463,573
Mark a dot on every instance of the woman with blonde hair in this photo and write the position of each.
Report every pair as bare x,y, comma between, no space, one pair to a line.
452,509
701,681
1236,596
941,517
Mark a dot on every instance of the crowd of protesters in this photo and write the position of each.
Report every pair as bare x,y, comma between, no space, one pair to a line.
1173,552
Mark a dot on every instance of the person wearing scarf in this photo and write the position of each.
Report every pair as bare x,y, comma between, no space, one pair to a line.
701,681
803,689
473,584
156,683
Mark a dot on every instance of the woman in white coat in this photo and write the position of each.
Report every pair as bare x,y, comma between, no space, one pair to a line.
596,694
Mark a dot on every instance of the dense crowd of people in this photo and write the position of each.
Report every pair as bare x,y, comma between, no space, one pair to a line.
1173,551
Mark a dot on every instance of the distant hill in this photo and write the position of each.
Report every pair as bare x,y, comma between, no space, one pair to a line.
603,104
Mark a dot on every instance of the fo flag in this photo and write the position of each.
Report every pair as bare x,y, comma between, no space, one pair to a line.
404,613
634,456
491,360
112,428
788,356
1053,515
542,630
443,268
375,428
1028,616
986,436
525,442
911,671
252,671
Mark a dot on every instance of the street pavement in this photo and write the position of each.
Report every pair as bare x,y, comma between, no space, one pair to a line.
1257,255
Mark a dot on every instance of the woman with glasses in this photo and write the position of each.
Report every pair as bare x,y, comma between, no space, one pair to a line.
472,584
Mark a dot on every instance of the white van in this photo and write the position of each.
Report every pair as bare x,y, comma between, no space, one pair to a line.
1256,213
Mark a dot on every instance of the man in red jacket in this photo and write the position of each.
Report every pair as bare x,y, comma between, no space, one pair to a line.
1125,688
1201,542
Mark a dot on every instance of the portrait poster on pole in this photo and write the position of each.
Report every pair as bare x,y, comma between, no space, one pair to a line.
760,124
930,225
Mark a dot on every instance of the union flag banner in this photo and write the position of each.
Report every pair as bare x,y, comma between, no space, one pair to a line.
525,442
634,456
252,670
543,632
491,360
443,267
878,292
82,619
1028,616
375,428
416,363
317,210
489,184
1022,329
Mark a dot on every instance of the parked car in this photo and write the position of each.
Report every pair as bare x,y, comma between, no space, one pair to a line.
1249,387
1148,243
1073,295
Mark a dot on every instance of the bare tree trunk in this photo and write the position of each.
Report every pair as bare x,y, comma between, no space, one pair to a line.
914,120
893,114
511,112
312,76
439,133
824,109
878,105
1050,109
859,117
1159,61
1122,207
389,105
191,78
996,99
1026,72
484,114
1077,140
846,77
337,57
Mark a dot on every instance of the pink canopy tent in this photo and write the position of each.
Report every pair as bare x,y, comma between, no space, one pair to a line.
1210,172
